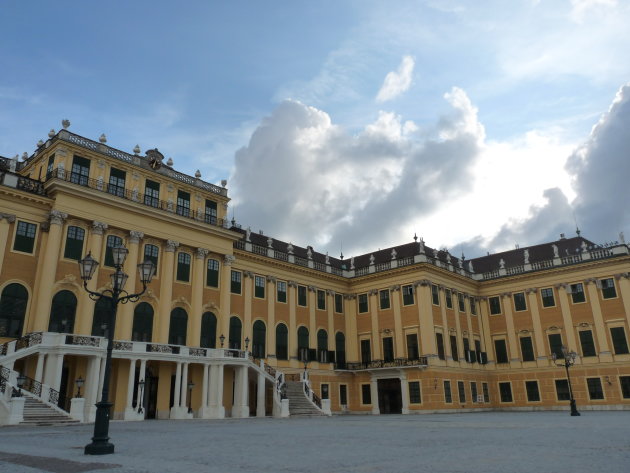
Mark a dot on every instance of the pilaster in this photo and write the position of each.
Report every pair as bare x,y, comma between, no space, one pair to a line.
166,290
196,302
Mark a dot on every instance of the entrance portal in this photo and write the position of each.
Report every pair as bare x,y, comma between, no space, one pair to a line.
389,396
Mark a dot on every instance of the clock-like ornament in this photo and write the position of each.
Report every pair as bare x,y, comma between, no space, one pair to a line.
155,159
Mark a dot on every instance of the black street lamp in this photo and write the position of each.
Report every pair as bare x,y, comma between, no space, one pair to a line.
222,339
141,386
191,385
246,343
79,382
87,266
569,360
21,379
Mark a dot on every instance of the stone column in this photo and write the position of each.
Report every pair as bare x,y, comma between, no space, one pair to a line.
425,320
506,300
204,389
125,312
350,318
166,290
260,396
292,348
92,383
85,305
178,386
196,302
5,221
48,269
399,336
600,327
184,387
446,335
377,348
39,369
142,377
240,408
485,324
374,394
223,324
312,320
271,318
404,390
532,299
54,367
129,410
219,409
458,326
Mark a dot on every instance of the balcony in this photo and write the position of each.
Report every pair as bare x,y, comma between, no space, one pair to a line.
419,362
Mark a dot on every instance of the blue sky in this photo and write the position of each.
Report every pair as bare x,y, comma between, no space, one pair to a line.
480,93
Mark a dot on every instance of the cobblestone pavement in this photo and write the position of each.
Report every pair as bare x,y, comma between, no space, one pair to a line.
541,442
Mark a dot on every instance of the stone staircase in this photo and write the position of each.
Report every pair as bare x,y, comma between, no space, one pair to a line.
299,405
38,413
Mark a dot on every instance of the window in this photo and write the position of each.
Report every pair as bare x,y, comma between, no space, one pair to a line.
461,302
112,242
116,182
547,297
183,267
183,203
50,166
478,350
366,351
519,302
152,193
62,312
527,349
620,343
461,391
281,291
74,243
142,330
440,345
151,253
12,310
340,349
322,346
208,337
101,317
587,342
301,296
363,303
562,390
212,273
325,391
454,352
25,237
473,306
343,394
608,288
383,297
407,292
624,382
595,391
435,294
486,393
555,344
577,293
235,283
495,305
473,391
339,303
505,392
414,392
282,342
259,287
303,343
388,349
259,338
321,299
448,398
412,346
468,355
531,388
178,327
80,171
210,214
366,394
234,336
449,298
500,350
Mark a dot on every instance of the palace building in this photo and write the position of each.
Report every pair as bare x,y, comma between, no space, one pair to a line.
236,323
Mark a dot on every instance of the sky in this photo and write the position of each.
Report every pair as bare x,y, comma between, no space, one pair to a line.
348,125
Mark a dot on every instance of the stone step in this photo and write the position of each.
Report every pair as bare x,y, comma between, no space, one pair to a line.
38,413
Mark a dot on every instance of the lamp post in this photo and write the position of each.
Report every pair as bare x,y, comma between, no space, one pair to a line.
21,379
79,382
141,386
569,360
87,266
222,339
246,343
191,385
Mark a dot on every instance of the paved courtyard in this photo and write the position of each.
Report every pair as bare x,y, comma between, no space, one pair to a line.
542,442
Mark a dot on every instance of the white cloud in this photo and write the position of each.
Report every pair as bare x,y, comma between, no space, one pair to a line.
580,8
397,82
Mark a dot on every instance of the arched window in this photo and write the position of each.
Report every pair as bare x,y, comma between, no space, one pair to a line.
100,321
322,346
178,327
282,342
302,343
142,330
208,331
340,349
12,310
258,343
62,312
234,340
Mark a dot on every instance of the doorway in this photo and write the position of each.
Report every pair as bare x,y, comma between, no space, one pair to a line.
389,396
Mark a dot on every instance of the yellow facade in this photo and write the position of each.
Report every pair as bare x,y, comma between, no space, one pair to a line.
400,327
